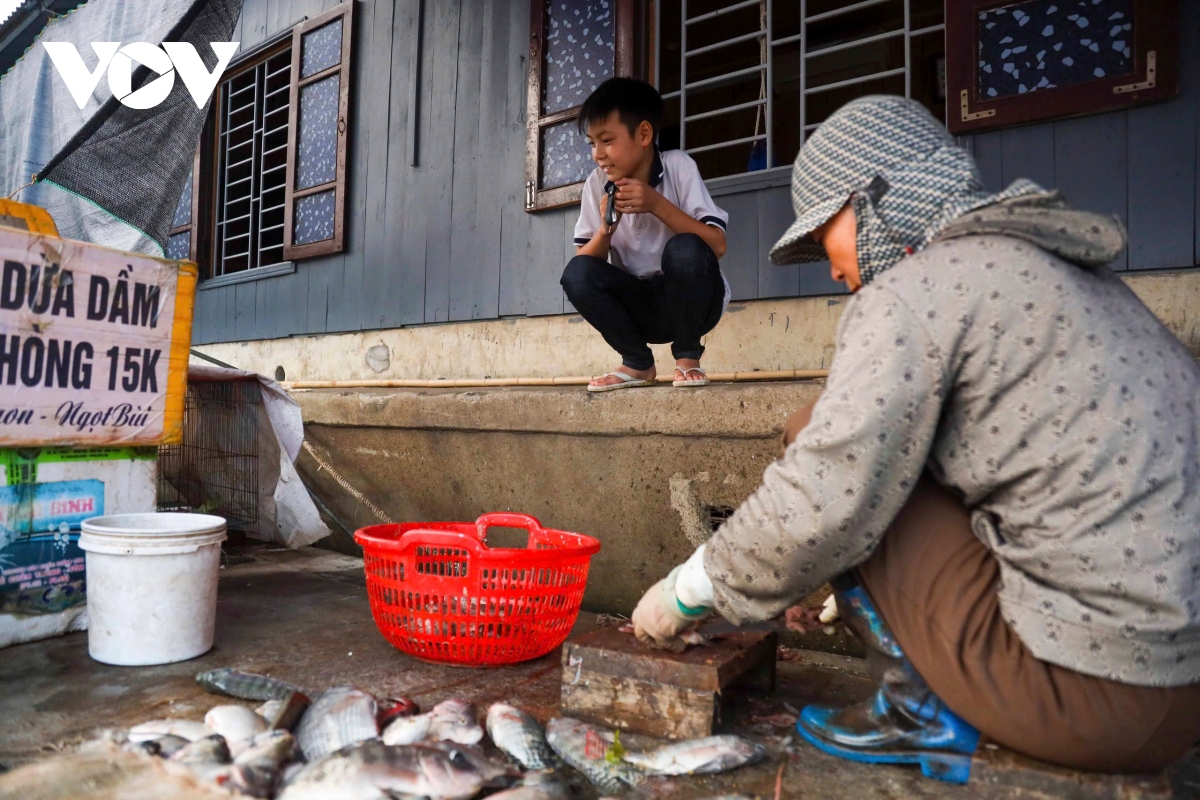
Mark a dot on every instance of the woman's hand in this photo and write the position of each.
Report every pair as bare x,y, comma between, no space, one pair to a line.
660,618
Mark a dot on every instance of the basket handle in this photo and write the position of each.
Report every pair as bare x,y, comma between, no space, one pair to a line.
506,519
426,537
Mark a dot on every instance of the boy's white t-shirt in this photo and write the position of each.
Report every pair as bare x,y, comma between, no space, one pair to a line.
638,242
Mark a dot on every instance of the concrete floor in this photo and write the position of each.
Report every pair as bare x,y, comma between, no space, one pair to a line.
303,616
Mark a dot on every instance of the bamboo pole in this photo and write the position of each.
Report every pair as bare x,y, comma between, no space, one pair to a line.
583,380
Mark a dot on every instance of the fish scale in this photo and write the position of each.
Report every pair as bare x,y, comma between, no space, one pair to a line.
372,769
339,717
569,739
519,735
705,756
245,685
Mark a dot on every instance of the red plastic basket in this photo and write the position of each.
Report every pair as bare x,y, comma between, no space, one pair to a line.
439,593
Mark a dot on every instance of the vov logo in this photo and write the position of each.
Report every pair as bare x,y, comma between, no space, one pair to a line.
179,57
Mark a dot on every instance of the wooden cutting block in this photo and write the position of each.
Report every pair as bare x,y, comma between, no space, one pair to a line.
612,679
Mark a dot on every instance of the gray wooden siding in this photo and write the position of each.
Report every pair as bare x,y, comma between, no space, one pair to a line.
449,240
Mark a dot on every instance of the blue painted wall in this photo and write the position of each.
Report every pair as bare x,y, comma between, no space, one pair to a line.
450,240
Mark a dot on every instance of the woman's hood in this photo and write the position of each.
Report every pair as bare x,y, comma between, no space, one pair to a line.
1044,219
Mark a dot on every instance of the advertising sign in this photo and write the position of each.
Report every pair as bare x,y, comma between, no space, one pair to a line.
93,343
42,567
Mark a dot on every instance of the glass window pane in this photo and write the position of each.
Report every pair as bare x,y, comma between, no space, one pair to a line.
179,246
1044,45
316,154
579,51
566,157
183,211
313,220
321,48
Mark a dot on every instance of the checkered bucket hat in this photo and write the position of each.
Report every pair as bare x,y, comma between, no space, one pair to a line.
900,169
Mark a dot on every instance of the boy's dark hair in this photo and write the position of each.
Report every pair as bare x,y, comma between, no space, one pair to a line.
636,102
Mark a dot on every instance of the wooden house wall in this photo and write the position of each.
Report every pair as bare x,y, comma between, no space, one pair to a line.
449,240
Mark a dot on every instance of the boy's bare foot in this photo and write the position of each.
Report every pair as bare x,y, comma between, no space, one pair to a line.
613,380
688,373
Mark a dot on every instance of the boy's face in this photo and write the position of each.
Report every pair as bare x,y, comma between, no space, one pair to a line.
615,150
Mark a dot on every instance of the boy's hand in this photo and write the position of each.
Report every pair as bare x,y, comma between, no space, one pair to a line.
635,197
604,228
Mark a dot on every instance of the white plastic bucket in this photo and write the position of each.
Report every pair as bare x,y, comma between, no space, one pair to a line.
151,586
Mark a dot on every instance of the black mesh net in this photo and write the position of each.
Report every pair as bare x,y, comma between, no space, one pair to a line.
133,163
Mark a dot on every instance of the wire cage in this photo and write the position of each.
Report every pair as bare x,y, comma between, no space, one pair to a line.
216,468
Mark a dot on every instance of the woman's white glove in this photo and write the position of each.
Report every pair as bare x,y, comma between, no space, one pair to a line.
674,604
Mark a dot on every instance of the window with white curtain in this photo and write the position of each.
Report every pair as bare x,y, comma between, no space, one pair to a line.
744,82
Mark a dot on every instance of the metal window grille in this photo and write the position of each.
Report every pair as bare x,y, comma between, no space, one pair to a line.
216,468
252,153
745,82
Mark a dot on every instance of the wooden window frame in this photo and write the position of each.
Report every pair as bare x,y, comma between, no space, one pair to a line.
1156,31
291,251
192,227
629,61
206,189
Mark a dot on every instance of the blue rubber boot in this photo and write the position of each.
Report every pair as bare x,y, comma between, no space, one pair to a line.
905,722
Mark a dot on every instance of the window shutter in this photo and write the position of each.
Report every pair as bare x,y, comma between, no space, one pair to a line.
565,65
318,132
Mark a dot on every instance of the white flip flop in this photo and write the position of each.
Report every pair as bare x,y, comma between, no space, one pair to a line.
701,381
627,382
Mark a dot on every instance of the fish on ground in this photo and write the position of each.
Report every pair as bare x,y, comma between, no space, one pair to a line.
538,785
392,708
269,709
236,723
257,770
245,685
209,750
455,720
452,720
372,770
341,716
519,735
705,756
407,730
585,748
165,746
284,714
495,775
158,728
270,749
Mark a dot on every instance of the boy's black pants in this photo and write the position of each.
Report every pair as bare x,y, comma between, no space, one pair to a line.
678,306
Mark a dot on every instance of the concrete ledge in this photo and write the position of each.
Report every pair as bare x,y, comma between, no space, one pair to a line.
776,334
646,471
750,410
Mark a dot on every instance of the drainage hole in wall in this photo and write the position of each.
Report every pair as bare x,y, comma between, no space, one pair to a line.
280,375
